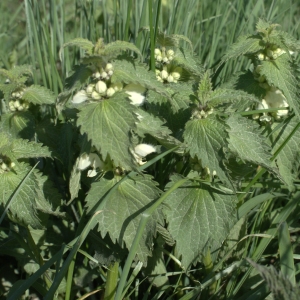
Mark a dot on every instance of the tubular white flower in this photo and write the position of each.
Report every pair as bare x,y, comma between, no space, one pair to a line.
101,87
84,162
95,95
80,96
175,75
90,89
135,93
144,149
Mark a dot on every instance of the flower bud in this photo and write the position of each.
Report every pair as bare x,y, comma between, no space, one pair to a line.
4,166
261,56
21,107
97,75
175,75
170,78
110,91
90,89
157,52
159,58
165,60
164,74
170,53
109,67
95,95
101,87
104,75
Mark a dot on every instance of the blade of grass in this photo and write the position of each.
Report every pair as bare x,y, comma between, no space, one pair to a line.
286,253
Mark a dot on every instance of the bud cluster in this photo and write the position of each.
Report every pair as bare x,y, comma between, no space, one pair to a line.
6,165
201,113
101,87
163,56
271,53
17,104
104,73
168,74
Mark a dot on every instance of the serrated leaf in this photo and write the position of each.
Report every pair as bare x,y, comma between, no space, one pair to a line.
180,95
84,44
187,60
245,141
245,81
125,71
205,139
122,210
149,124
16,72
197,217
280,74
38,95
26,208
108,125
19,148
231,99
244,45
287,160
114,48
19,124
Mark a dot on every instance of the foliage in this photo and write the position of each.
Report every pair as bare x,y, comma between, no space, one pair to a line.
150,159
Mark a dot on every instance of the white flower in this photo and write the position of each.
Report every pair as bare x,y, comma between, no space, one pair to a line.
117,86
275,99
109,67
141,151
90,160
135,93
80,97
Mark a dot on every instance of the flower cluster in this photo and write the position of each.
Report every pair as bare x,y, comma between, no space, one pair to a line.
201,113
17,103
163,56
274,99
168,74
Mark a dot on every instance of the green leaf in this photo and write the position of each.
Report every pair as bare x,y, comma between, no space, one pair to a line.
181,93
19,148
197,217
122,210
205,139
280,74
287,160
117,47
74,183
245,141
108,125
238,100
187,60
27,207
84,44
19,124
38,95
127,72
149,124
244,45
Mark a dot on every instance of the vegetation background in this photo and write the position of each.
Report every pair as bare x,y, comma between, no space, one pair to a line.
34,31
